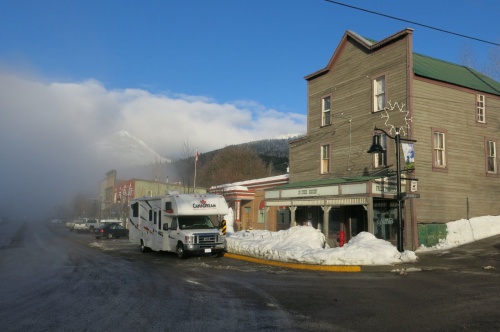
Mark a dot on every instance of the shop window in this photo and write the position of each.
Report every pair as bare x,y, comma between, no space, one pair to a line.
385,219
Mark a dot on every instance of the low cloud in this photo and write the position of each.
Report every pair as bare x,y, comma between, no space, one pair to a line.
47,131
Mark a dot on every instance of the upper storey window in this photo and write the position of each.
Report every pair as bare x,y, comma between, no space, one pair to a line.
326,111
379,94
439,146
491,157
480,109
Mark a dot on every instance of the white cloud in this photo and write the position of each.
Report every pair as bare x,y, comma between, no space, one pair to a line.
46,128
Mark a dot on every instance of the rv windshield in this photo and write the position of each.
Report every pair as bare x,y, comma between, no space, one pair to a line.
195,222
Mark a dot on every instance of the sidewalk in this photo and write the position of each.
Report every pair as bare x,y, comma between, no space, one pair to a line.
482,255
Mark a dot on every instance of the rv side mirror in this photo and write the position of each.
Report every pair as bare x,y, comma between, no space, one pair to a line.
165,227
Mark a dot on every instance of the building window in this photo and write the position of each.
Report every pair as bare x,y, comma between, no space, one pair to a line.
480,109
379,94
491,157
326,110
385,219
380,159
283,216
439,149
262,217
325,159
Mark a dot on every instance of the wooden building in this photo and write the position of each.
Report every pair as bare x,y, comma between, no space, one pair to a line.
449,173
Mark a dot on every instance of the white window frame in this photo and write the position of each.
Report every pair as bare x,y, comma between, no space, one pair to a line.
491,157
326,108
379,94
439,159
325,159
480,109
380,159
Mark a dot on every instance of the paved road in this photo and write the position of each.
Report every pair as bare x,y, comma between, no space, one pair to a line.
55,280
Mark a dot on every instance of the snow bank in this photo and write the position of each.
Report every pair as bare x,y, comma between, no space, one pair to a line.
465,231
304,244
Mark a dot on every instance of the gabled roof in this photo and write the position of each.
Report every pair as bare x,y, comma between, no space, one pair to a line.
367,43
448,72
423,66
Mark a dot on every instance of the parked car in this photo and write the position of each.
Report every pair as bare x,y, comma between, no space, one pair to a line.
85,225
110,221
110,231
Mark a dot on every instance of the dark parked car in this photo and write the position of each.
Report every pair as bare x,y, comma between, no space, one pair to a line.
110,231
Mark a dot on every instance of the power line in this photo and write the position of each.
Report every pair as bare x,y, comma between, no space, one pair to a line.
407,21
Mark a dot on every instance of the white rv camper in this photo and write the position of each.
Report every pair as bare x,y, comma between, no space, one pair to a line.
180,223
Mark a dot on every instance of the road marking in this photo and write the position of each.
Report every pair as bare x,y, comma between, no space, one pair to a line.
330,268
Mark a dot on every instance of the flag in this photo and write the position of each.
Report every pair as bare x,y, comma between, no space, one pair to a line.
196,157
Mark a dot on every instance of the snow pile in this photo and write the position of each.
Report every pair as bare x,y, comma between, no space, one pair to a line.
465,231
304,244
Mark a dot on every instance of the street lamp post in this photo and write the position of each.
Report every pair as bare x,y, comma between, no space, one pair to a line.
377,148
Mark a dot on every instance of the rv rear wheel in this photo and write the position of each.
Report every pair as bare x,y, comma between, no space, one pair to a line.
180,251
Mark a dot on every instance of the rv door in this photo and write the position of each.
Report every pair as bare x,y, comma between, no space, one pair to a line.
157,238
172,235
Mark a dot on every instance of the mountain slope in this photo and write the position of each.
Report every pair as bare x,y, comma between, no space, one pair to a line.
122,148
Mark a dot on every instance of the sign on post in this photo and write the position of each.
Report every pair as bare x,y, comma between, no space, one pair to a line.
409,195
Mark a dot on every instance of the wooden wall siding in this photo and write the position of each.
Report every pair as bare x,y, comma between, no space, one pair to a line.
444,195
350,84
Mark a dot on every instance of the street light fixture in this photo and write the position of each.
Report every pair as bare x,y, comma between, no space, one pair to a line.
377,148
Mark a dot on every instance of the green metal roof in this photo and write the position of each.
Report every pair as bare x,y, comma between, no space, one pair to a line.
454,74
326,182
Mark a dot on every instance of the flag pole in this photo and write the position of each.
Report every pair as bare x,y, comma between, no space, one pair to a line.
195,164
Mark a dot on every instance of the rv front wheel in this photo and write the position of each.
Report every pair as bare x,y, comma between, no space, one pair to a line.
180,251
144,249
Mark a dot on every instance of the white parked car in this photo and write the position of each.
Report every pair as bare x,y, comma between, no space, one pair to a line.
85,225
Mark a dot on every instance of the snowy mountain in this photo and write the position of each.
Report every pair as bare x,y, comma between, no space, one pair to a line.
289,136
122,148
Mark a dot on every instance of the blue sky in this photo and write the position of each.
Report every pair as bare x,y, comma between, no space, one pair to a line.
209,73
257,50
